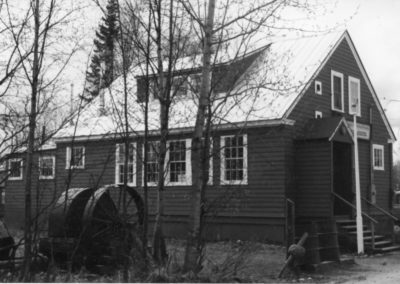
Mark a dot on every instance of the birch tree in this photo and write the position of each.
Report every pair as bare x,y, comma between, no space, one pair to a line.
237,27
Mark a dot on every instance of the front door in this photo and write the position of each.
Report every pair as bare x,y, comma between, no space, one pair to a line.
342,177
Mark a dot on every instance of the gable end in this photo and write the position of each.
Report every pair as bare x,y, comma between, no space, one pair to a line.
346,37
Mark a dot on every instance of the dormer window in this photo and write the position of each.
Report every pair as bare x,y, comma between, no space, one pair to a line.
195,83
337,91
180,86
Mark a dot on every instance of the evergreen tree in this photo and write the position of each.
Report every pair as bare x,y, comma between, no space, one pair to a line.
101,73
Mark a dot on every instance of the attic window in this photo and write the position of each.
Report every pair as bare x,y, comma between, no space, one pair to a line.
195,83
354,96
179,86
318,114
337,91
318,87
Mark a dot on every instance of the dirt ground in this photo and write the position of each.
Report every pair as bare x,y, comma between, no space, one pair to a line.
249,262
261,263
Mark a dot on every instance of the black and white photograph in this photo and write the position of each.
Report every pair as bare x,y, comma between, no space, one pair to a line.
200,141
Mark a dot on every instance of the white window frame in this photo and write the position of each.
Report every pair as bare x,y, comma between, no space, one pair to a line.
210,177
188,164
149,183
355,80
318,114
21,169
339,75
382,149
68,158
133,166
53,158
316,85
223,180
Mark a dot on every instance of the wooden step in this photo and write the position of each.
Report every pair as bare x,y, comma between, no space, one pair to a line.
365,232
382,243
377,237
352,227
345,221
387,249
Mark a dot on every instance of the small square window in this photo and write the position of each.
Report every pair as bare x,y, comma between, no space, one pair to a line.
47,167
15,168
318,114
75,157
378,157
318,87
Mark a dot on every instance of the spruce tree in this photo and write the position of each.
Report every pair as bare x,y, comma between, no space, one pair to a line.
101,72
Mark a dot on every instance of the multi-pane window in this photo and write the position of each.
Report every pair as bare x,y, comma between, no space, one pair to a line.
337,91
234,159
120,164
354,96
177,161
153,151
47,167
75,157
378,157
179,86
15,169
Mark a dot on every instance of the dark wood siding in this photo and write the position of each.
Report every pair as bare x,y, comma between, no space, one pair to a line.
43,195
343,61
99,166
262,197
313,178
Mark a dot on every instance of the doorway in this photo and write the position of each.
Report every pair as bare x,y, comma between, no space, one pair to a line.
342,177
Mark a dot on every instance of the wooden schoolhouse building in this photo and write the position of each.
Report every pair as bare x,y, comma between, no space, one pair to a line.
282,145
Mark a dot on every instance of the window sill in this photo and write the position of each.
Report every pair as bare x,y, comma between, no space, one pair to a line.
46,178
76,168
379,169
233,182
177,184
128,184
14,178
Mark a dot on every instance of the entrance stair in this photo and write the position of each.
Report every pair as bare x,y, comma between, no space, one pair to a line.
373,243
